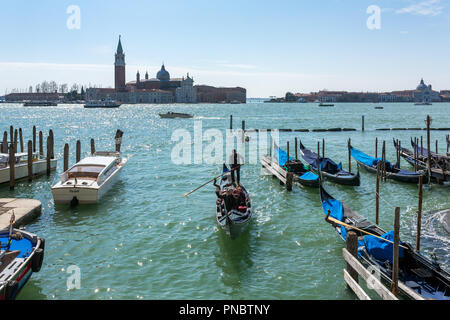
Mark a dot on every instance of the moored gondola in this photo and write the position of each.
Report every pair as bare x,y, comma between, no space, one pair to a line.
301,171
233,206
417,272
329,169
392,171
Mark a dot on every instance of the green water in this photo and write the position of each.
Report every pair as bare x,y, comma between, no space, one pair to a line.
144,240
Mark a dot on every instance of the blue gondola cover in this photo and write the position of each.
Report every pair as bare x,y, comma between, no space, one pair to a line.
382,250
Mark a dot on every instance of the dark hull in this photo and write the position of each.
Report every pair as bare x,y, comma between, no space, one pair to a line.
334,174
347,180
392,175
309,183
408,155
416,271
233,222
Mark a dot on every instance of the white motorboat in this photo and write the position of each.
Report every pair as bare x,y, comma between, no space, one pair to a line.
89,180
21,166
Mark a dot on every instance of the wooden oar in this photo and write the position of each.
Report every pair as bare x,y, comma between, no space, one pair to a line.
328,219
212,180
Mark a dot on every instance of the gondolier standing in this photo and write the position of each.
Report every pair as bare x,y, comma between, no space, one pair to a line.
235,161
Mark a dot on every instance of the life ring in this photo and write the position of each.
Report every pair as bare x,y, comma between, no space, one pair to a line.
10,290
38,257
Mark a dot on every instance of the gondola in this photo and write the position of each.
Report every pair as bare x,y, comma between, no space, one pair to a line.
392,171
439,159
329,169
300,170
417,272
408,155
440,170
21,254
232,220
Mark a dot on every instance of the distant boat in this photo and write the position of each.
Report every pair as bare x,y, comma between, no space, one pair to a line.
423,103
39,104
378,107
102,104
175,115
326,104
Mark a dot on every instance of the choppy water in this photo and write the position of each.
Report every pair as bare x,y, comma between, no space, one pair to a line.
146,241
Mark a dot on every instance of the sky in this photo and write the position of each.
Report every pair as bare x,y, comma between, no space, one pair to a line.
267,47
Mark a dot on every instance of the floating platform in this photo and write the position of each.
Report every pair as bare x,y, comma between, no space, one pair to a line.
24,211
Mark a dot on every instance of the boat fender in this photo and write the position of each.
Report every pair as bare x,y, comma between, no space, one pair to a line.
38,257
42,245
10,290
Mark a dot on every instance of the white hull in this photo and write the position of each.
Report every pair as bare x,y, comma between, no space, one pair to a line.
21,170
63,194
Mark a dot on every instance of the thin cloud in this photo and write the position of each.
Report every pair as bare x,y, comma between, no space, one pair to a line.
424,8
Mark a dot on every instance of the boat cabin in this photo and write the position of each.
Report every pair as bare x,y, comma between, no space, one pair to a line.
91,169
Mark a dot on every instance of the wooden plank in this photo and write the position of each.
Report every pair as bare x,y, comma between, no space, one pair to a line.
379,288
355,287
410,292
267,164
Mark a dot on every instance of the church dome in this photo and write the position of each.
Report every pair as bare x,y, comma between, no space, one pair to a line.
162,74
421,85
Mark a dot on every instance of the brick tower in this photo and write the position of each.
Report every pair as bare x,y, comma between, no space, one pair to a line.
119,69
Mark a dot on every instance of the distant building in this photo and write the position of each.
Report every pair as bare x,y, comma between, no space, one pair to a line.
445,95
37,96
424,93
209,94
161,89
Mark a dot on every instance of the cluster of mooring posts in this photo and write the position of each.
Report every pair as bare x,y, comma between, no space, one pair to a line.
37,163
118,143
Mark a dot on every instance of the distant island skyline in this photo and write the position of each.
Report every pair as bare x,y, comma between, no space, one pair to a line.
287,49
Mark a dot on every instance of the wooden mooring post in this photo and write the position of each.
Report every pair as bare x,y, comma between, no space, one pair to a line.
52,144
231,122
377,195
30,160
48,157
349,145
34,138
66,157
428,142
41,144
362,124
395,267
419,214
78,151
21,140
12,166
118,138
323,148
296,148
5,142
92,146
376,147
352,248
15,140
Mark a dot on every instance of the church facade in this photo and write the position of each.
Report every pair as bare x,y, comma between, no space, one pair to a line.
424,93
161,89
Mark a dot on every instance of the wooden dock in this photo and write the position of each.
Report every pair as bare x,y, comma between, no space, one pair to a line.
286,178
24,211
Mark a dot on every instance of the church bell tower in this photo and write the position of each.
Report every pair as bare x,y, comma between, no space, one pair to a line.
119,69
